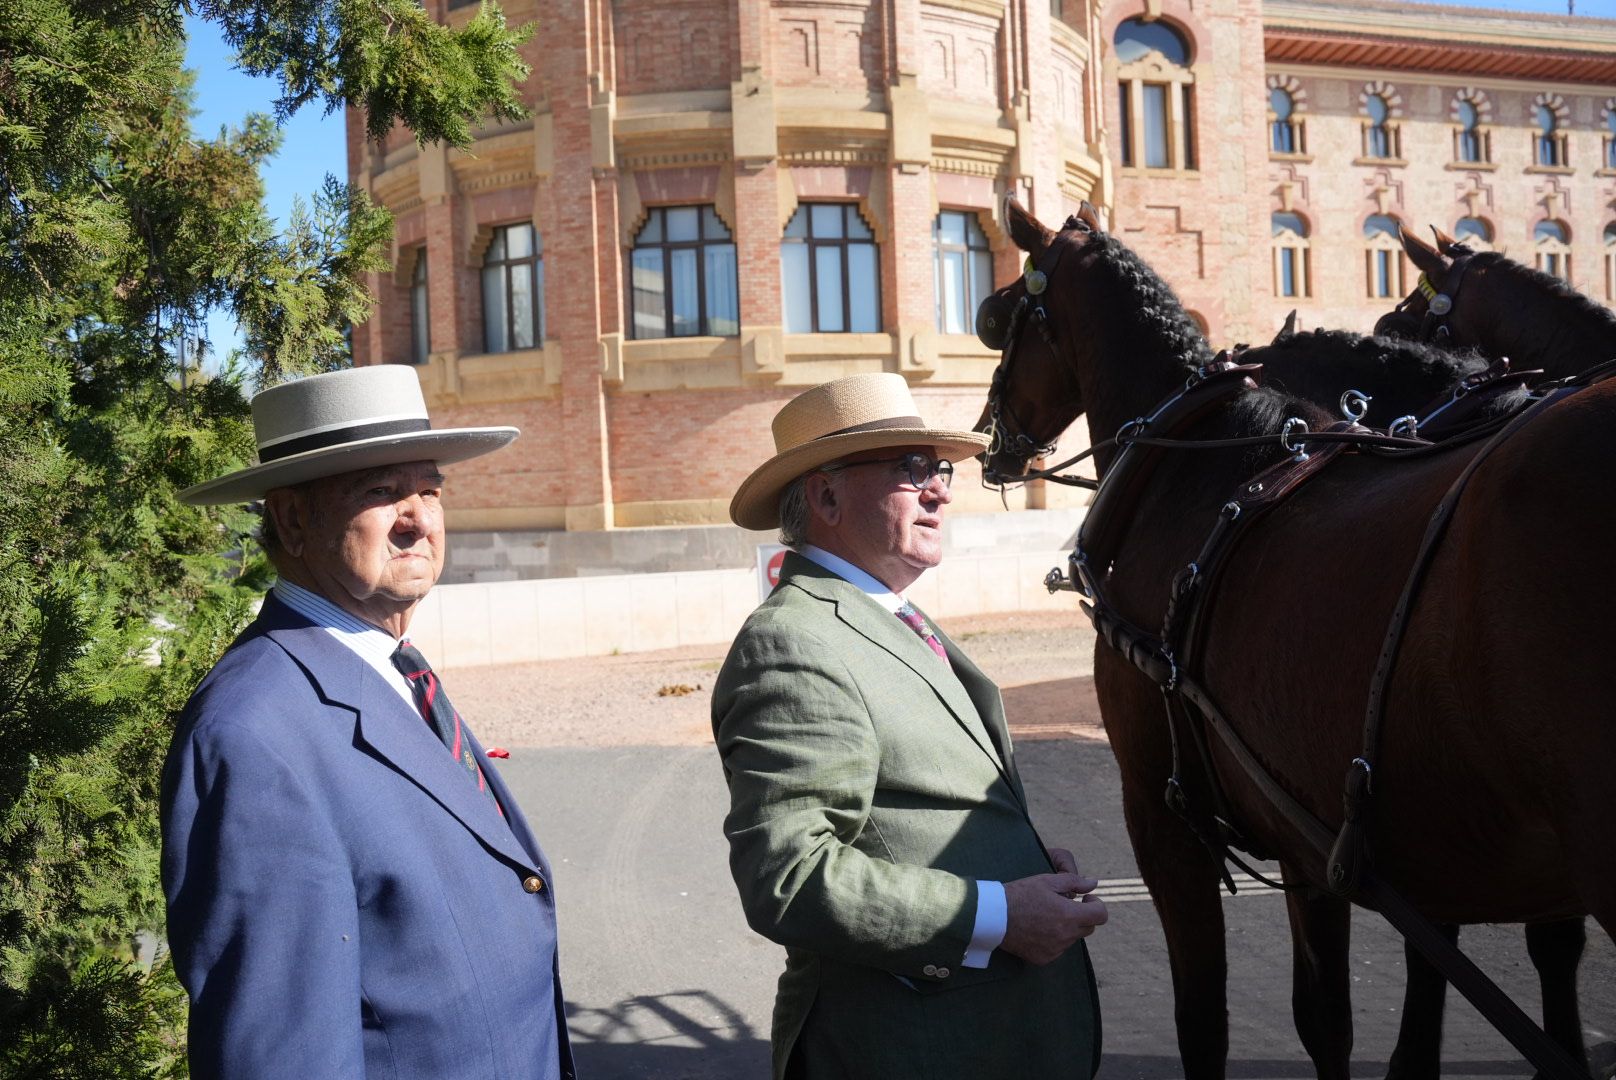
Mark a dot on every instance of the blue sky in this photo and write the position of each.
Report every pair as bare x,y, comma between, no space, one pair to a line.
314,144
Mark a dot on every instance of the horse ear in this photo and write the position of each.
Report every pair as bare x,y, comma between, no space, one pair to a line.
1423,255
1027,231
1444,242
1086,214
1288,329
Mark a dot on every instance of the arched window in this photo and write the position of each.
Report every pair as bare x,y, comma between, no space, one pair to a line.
682,275
964,269
1474,233
420,324
1610,261
1157,100
1377,133
1293,271
1551,241
830,271
513,289
1383,257
1282,138
1546,147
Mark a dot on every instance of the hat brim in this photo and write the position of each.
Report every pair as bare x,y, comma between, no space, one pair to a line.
757,501
445,446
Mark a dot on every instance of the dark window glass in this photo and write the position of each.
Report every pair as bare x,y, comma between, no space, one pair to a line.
1549,230
420,324
1379,140
513,289
1155,109
1283,222
1126,126
830,271
1547,142
682,280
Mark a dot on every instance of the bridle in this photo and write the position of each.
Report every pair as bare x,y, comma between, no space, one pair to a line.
1432,326
999,325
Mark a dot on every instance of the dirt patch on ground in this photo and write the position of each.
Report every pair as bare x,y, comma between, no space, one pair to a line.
1041,660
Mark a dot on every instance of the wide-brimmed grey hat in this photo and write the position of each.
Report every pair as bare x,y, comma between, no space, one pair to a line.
323,425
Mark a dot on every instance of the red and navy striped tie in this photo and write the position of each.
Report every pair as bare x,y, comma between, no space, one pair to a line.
915,621
435,708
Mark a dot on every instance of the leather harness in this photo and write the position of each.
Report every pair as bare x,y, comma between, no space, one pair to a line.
1167,658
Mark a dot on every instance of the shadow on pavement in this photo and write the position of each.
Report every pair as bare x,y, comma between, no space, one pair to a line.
1168,1067
685,1035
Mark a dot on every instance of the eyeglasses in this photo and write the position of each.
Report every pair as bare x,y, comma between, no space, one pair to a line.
920,467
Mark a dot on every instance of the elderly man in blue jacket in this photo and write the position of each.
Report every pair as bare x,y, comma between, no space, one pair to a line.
352,890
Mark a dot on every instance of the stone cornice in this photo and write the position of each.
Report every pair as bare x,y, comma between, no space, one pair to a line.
1437,39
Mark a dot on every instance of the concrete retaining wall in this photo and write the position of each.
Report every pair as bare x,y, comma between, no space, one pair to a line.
512,622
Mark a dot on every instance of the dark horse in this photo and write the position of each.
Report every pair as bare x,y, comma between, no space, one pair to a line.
1501,307
1490,790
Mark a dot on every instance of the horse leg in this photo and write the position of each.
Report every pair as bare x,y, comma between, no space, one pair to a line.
1418,1054
1556,948
1181,876
1321,986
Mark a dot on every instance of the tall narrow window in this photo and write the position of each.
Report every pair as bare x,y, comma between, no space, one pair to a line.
1552,243
420,324
1377,135
1610,261
513,290
1383,257
1469,133
964,269
682,275
830,271
1157,97
1282,137
1546,147
1293,275
1610,136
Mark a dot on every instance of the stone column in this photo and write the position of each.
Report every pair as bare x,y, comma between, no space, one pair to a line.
906,252
757,198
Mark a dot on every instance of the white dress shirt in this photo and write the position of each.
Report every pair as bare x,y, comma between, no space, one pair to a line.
374,645
991,911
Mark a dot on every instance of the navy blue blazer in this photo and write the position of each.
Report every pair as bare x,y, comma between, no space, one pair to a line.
342,900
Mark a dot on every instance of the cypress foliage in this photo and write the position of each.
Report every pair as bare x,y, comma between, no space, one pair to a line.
116,227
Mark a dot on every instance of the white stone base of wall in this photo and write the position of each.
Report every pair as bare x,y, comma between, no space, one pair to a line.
513,622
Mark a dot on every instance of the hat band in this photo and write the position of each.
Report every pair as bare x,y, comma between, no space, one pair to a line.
877,425
337,436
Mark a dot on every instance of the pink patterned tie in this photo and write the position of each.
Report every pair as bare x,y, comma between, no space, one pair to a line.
915,621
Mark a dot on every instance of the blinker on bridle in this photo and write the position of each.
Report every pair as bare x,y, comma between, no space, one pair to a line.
1433,325
999,324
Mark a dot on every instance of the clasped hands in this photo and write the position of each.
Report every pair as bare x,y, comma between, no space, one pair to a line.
1049,913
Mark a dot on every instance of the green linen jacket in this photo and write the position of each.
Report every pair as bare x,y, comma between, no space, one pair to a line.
871,787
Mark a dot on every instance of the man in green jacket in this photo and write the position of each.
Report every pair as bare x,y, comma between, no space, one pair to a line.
877,827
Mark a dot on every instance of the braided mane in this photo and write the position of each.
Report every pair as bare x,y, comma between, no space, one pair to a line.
1147,311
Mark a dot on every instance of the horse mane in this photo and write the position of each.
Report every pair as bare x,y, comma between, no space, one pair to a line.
1352,355
1153,312
1556,289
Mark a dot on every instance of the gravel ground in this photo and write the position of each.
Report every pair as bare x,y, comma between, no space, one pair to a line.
1041,660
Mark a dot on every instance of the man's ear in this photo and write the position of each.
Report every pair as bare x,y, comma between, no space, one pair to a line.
289,509
824,498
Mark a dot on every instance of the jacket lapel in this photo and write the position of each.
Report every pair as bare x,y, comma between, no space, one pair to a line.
887,631
984,694
387,725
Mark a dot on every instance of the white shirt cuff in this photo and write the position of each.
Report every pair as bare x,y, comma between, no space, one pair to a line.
991,917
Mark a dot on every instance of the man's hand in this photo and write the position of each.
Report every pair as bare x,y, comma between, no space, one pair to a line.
1047,914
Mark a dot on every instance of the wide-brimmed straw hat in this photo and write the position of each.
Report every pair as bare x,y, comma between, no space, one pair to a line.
818,426
362,418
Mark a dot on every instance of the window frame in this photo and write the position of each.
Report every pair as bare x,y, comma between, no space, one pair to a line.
1389,130
420,309
1479,131
844,243
700,246
969,294
1288,241
1176,81
535,261
1552,255
1382,249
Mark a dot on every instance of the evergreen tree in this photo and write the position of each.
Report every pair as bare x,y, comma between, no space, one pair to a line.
118,231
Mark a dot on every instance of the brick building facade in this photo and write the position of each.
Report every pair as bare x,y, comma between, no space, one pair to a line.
718,203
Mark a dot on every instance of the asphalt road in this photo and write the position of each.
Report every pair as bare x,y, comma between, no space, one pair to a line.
665,980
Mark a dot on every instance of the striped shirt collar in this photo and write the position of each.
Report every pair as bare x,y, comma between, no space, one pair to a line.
374,645
851,574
